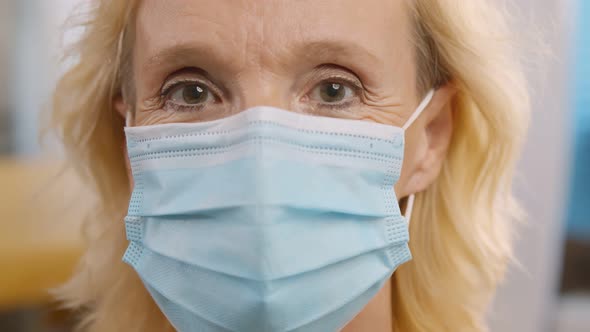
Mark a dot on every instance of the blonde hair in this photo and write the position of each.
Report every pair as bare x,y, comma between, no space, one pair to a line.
461,229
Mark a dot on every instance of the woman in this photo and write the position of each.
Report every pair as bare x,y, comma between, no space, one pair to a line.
263,155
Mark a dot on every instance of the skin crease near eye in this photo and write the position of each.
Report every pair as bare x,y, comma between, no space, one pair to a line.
200,60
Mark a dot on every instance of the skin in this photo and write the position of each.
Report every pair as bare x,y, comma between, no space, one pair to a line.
283,53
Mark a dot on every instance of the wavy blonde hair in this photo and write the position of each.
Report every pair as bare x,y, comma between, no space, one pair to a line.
461,229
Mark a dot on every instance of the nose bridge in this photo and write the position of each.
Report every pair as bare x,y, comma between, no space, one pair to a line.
261,87
264,80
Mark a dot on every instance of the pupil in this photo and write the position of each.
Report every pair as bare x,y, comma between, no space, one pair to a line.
193,94
332,92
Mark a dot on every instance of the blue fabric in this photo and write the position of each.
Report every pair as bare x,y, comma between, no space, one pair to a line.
249,224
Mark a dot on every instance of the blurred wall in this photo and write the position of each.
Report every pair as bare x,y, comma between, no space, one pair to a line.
527,302
29,70
6,33
33,57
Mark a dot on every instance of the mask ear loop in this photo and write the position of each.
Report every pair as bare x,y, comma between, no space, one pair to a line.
129,119
409,208
425,102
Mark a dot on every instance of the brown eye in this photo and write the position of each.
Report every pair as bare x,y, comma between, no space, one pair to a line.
333,93
190,94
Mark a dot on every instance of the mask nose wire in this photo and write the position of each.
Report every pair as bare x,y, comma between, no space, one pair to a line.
425,102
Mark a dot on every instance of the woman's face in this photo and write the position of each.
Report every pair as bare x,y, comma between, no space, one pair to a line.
198,60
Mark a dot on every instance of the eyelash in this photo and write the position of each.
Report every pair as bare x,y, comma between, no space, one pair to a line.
167,104
355,85
167,89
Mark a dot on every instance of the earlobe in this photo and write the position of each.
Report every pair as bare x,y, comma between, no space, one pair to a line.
120,106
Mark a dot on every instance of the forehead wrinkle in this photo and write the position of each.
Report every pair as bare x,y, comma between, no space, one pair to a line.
261,44
175,35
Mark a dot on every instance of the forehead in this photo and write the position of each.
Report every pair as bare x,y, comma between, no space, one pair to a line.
243,29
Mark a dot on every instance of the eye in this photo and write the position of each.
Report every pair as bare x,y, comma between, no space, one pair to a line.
333,93
190,94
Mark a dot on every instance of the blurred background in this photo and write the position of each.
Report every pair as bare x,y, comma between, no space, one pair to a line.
548,291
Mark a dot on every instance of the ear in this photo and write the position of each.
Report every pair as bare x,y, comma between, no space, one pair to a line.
432,137
120,106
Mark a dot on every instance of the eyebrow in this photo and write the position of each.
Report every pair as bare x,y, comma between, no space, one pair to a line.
180,52
336,49
343,52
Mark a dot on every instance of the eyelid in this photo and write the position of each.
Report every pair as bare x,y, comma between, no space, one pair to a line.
174,84
183,78
351,83
354,84
335,72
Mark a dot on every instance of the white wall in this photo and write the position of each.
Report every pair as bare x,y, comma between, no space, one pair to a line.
29,64
527,302
35,52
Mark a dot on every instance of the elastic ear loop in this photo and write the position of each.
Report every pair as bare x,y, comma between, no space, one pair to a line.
425,102
129,119
409,208
427,99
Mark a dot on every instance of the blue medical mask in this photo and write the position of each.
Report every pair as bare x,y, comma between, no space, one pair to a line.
267,220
